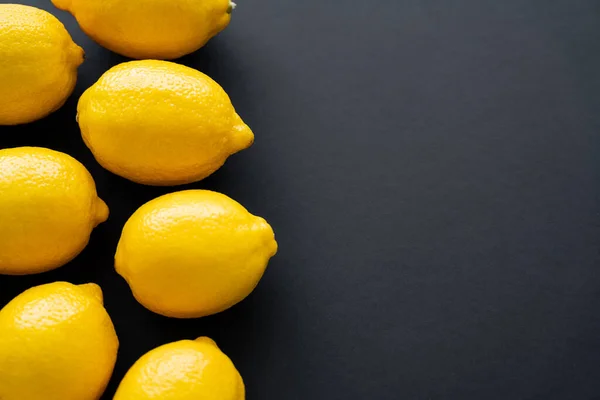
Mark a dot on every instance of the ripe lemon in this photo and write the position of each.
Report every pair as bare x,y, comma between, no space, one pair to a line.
160,123
193,253
48,208
56,343
158,29
38,64
184,370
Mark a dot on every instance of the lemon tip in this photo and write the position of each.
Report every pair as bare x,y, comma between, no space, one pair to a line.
205,339
62,4
243,137
101,211
231,7
93,290
268,235
274,247
78,54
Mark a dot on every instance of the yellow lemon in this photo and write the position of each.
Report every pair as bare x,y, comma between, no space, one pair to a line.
193,253
160,123
38,64
56,343
184,370
48,208
158,29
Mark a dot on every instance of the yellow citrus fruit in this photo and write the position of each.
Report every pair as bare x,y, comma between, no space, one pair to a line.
48,208
38,64
160,123
193,253
184,370
157,29
56,343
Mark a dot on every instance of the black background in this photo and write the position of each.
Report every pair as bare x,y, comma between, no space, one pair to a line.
430,168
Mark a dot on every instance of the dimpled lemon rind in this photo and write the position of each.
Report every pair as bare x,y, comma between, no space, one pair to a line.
48,208
160,123
184,370
56,343
193,253
150,29
38,64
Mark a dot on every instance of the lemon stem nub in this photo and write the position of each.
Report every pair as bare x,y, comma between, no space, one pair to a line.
232,6
101,211
93,290
205,339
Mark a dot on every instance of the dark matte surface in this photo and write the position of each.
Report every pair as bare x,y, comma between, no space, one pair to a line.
431,171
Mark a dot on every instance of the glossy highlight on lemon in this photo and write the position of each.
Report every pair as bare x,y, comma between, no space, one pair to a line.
48,208
156,29
184,370
160,123
56,343
193,253
38,64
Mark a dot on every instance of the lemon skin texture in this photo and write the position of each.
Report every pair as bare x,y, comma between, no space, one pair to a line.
160,123
56,343
184,370
150,29
38,64
48,208
193,253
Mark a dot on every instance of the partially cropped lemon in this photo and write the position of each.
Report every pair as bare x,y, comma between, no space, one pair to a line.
158,29
56,343
48,208
160,123
184,370
193,253
38,64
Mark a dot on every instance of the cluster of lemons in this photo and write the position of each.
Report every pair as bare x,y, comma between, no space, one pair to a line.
187,254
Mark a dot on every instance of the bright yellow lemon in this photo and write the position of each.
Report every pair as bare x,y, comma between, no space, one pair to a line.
160,123
48,208
56,343
184,370
193,253
38,64
157,29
